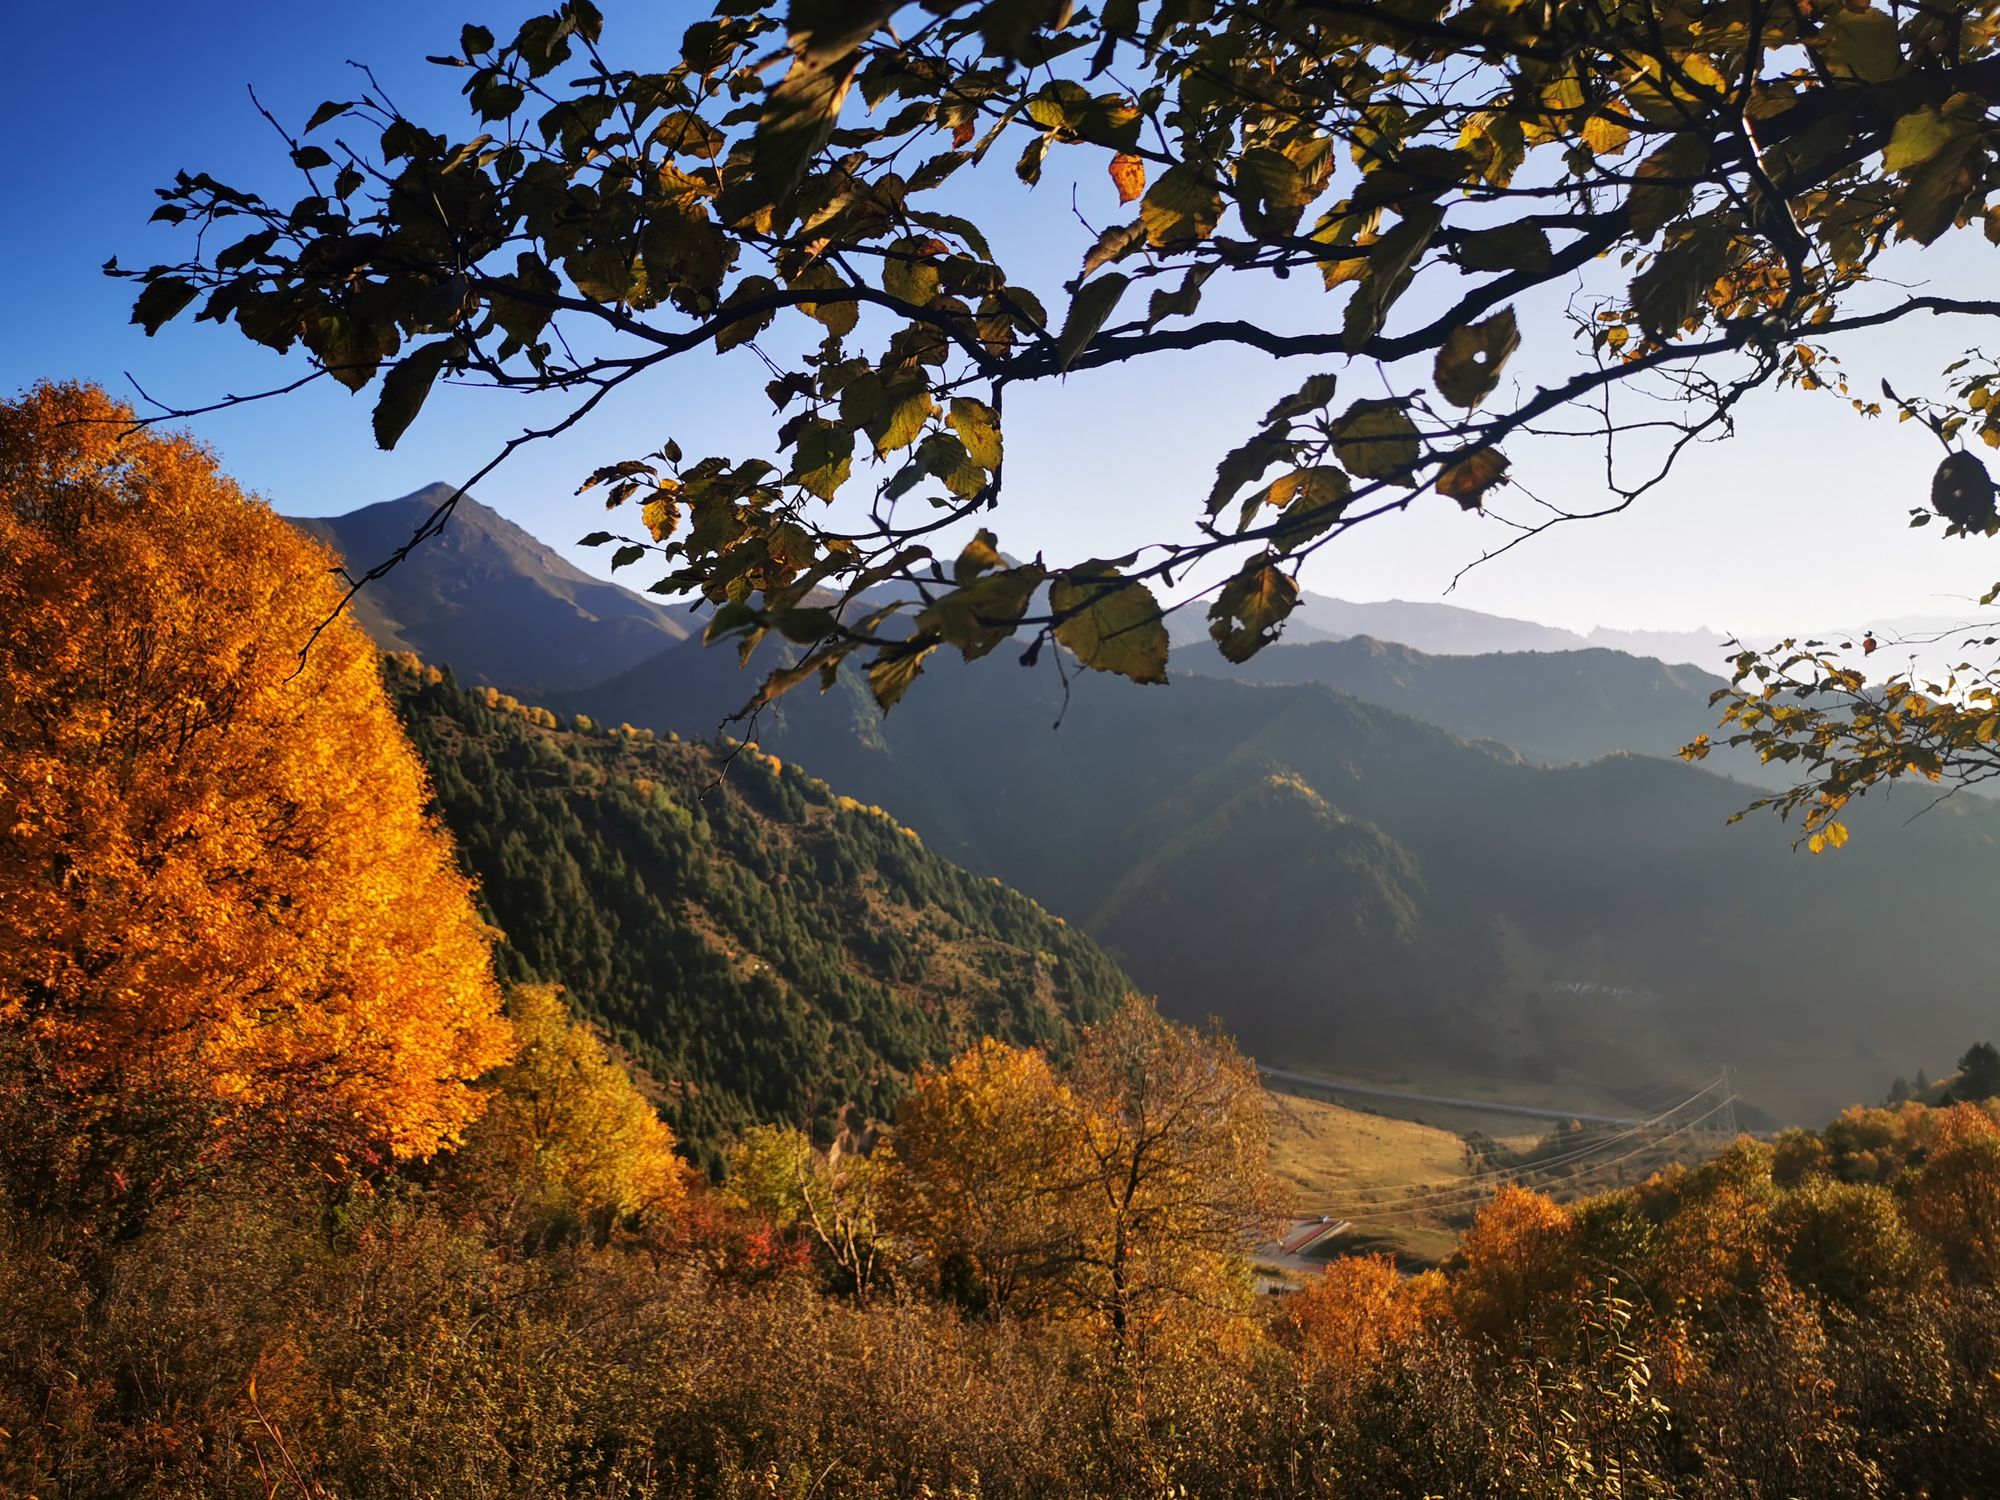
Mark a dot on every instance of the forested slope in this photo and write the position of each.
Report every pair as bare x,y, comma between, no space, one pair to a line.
766,948
1588,931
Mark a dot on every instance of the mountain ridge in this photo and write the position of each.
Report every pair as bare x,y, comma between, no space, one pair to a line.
487,594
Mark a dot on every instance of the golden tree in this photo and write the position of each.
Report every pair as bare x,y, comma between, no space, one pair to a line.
1344,1323
1954,1200
1513,1258
219,885
1175,1180
988,1159
566,1137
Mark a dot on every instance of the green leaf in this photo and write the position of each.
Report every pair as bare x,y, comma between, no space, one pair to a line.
824,458
981,554
1667,293
631,552
594,539
1375,439
1114,244
901,418
1504,247
1088,310
1270,191
836,316
983,612
1392,263
1315,393
1311,499
405,388
1917,138
1241,465
327,111
1664,189
912,280
1250,610
797,119
1110,624
1471,358
749,289
1862,43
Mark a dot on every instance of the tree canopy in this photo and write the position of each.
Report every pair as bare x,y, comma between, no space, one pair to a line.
225,914
1675,203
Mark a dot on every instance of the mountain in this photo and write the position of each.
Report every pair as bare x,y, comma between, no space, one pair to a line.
1436,628
1448,630
1553,706
504,609
764,947
1699,648
1354,890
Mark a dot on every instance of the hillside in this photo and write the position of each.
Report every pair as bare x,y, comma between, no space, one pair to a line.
1597,931
489,598
1589,929
767,949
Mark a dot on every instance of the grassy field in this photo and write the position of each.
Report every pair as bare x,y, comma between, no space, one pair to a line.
1335,1159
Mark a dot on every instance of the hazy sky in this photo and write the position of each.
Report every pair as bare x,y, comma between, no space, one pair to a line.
1802,520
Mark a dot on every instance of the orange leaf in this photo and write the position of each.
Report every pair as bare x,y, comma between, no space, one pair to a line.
1129,173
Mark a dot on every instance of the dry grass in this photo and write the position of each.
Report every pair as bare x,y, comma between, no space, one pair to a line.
1332,1156
1337,1160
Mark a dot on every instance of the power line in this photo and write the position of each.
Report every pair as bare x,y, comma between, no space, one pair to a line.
1593,1148
1426,1205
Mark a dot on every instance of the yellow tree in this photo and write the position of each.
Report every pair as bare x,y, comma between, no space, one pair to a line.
1175,1177
1514,1255
987,1155
1954,1200
219,883
566,1138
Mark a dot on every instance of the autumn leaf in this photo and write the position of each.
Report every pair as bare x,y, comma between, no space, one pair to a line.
1468,366
1467,479
1111,625
1252,606
1128,174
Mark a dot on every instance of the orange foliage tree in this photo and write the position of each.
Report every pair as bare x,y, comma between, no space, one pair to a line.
1513,1258
1349,1318
1954,1199
988,1154
223,907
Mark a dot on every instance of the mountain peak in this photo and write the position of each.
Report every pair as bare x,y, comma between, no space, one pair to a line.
502,607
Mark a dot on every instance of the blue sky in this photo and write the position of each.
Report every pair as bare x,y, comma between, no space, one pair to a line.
1802,521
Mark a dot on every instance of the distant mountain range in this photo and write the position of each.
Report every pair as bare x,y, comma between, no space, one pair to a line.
1555,707
1395,887
503,608
1448,630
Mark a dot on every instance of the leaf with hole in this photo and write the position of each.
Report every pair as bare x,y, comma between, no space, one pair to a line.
1469,363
